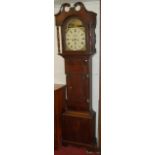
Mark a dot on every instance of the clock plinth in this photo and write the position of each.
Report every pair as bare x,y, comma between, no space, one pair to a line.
79,128
76,44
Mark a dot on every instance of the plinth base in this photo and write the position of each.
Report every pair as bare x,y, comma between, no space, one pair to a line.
78,128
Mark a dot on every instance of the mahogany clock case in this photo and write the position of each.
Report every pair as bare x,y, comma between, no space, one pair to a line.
78,117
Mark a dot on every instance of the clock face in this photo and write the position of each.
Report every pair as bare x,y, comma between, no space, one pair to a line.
75,39
75,36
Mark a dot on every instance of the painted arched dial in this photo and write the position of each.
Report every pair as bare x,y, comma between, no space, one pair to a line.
75,36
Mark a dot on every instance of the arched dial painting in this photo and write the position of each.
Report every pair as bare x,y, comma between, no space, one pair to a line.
76,44
75,38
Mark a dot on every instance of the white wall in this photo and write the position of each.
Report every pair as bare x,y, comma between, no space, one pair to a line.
128,112
26,87
59,74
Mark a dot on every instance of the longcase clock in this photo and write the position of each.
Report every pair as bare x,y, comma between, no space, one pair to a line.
76,44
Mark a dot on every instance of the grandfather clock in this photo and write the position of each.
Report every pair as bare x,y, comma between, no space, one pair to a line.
76,44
